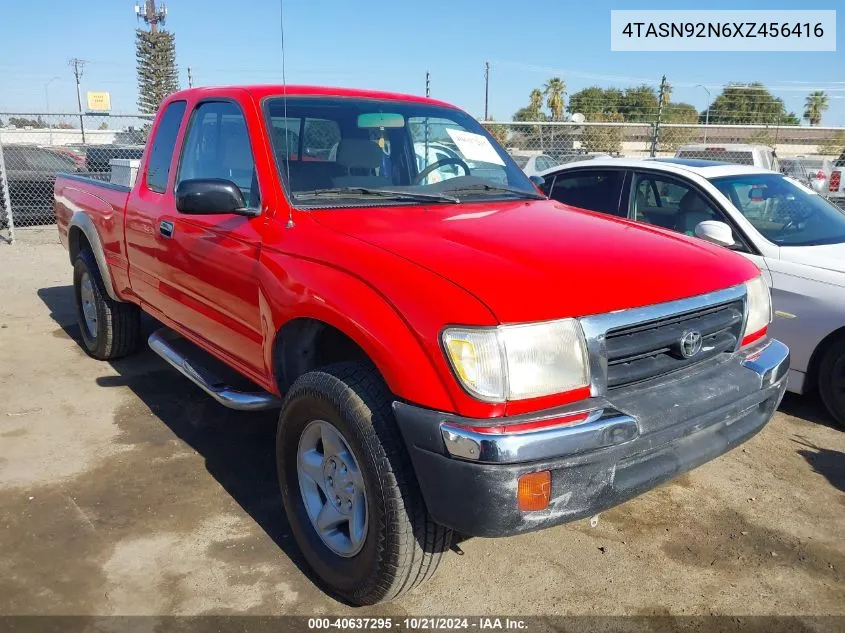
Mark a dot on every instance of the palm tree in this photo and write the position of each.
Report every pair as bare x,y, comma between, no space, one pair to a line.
555,89
535,102
814,105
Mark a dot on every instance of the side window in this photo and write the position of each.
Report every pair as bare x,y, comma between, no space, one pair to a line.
217,146
595,190
161,152
671,204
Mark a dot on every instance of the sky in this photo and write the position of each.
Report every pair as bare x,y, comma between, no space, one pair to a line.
390,45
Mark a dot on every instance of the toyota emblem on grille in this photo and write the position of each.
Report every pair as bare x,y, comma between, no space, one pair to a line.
690,344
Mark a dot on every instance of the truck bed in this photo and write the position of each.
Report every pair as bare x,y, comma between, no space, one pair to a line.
104,203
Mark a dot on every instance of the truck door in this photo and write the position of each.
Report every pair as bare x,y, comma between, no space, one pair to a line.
209,276
147,202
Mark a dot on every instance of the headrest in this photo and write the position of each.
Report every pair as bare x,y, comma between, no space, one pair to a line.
359,153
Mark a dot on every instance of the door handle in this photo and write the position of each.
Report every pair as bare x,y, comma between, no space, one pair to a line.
165,227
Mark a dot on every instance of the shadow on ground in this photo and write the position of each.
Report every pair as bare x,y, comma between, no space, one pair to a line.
826,462
807,407
238,447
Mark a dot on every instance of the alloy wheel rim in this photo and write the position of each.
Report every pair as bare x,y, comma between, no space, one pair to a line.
332,488
89,306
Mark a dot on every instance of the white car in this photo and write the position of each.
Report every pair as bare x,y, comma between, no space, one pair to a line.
795,236
532,162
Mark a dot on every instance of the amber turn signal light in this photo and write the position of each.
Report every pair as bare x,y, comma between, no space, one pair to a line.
534,491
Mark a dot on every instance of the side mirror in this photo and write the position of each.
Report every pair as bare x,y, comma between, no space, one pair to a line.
715,232
538,181
211,196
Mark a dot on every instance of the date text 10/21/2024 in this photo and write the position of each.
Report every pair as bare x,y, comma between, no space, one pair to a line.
419,623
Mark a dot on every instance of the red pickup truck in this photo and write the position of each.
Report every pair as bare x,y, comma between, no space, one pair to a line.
451,351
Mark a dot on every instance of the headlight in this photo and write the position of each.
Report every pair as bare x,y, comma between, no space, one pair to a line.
515,362
759,310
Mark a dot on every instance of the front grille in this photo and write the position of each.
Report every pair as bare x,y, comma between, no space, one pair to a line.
652,348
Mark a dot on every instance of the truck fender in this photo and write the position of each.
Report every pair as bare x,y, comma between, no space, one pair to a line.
82,221
351,306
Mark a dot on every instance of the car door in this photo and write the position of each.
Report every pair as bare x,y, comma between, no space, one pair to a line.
593,189
210,264
677,204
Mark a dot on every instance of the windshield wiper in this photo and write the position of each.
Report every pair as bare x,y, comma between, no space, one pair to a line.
346,192
483,187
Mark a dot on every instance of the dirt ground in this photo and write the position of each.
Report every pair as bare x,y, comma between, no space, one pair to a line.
124,490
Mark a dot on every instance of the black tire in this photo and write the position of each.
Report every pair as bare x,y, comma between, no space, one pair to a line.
118,327
832,381
403,546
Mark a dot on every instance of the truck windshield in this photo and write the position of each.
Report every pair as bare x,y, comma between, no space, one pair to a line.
341,152
783,210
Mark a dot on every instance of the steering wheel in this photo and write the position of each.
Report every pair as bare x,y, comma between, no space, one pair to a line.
451,160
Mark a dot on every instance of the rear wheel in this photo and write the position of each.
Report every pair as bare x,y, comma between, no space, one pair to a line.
110,329
832,381
349,489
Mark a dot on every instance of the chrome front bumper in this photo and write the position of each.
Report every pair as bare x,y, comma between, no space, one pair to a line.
632,439
606,424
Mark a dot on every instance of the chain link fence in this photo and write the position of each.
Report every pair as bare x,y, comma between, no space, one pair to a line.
810,154
35,147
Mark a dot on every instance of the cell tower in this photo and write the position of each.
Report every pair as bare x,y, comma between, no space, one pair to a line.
151,15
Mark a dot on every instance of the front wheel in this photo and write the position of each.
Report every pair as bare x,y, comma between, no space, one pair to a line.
832,381
349,489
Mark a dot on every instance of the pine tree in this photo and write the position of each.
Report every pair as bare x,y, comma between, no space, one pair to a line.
157,73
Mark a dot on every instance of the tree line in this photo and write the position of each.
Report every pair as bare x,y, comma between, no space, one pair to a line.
737,104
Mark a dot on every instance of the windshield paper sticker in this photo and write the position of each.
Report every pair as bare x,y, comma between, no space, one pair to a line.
475,147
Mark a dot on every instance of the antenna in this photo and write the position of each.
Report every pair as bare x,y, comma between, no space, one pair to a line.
290,223
150,14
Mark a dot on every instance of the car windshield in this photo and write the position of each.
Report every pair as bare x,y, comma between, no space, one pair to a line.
783,210
342,152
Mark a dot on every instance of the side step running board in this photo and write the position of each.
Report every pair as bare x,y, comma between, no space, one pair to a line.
161,342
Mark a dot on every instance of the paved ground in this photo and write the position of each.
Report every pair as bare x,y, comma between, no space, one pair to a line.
124,490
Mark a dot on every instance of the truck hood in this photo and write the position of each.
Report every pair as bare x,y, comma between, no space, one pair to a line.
827,256
539,260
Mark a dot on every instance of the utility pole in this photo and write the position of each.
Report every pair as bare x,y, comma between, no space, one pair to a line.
78,65
656,135
151,15
427,84
191,79
486,88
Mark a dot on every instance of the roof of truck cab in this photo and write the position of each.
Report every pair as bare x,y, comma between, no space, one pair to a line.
259,91
705,169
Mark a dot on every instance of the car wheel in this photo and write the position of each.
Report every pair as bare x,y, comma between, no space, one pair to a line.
110,329
832,381
349,489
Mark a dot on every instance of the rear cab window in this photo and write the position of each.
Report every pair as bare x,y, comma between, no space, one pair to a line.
163,144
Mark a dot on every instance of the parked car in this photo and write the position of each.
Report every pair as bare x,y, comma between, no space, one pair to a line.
31,171
464,355
811,171
835,188
736,153
793,235
531,162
